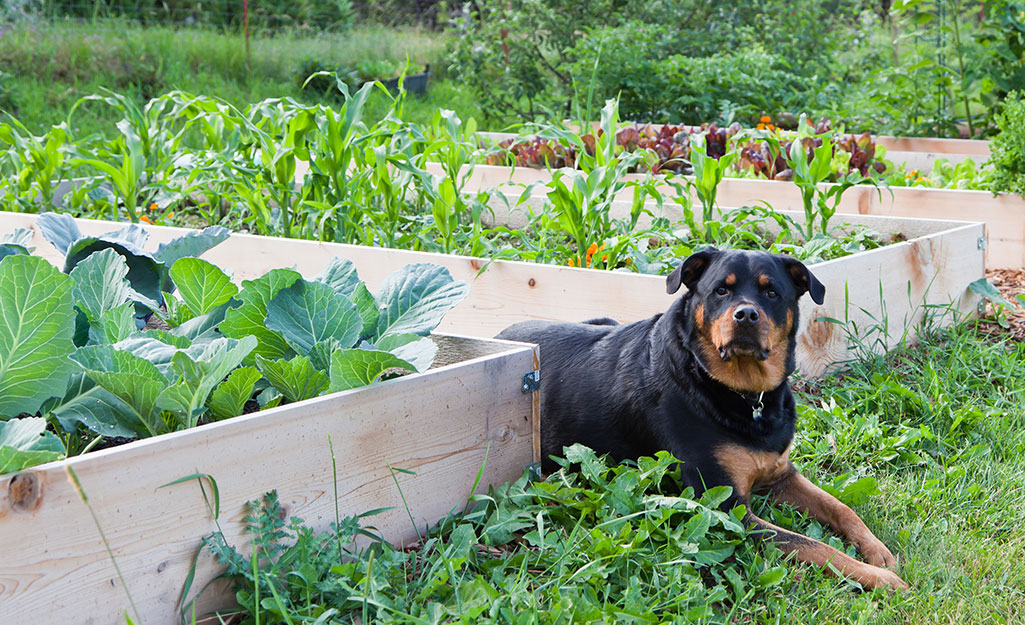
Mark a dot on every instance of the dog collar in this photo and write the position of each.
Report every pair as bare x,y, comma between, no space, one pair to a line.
757,406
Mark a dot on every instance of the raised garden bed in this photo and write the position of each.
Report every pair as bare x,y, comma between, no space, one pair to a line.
934,264
1003,215
465,424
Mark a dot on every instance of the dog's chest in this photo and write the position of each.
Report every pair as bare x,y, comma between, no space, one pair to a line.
749,469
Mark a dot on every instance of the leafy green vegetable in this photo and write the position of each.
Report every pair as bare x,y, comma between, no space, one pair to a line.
202,286
37,321
296,379
352,368
248,319
307,313
414,299
25,443
230,397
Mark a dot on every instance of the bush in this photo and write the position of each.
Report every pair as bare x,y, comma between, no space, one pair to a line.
1008,147
641,64
525,57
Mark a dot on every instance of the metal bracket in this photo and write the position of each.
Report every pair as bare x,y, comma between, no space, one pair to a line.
531,381
981,243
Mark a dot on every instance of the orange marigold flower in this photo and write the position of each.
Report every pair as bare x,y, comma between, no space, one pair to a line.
153,206
146,219
170,215
572,262
760,126
765,119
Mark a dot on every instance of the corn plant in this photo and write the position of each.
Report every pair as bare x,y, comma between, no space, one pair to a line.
33,166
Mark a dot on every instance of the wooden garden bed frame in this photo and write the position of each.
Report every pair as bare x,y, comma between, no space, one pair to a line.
934,265
1003,215
469,414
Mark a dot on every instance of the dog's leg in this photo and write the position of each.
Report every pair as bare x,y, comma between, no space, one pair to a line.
796,490
833,561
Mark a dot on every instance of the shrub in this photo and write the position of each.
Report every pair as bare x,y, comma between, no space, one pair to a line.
654,83
1008,147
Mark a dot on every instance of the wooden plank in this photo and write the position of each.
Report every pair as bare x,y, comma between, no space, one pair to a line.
970,147
441,424
1003,214
510,291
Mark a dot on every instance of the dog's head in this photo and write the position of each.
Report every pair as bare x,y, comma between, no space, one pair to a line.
743,313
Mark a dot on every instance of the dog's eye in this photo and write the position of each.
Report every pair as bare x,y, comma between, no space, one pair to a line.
722,290
771,294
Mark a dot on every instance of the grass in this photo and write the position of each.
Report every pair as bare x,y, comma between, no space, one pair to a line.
925,443
46,67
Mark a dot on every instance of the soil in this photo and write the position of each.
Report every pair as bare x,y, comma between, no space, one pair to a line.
1010,283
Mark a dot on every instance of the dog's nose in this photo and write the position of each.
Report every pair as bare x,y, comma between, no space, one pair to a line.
746,315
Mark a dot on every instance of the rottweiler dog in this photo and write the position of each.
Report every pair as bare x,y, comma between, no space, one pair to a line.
706,381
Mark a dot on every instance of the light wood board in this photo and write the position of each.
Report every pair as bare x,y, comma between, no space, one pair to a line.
441,425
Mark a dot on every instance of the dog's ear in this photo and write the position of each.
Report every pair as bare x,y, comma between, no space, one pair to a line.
690,270
804,279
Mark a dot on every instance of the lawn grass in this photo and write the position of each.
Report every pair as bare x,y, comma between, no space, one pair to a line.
46,67
925,443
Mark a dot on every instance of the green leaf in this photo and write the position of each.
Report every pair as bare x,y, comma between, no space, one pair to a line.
416,350
771,577
201,285
60,229
204,327
37,322
986,290
114,325
296,379
12,249
248,318
414,299
339,274
307,313
101,283
164,336
352,368
95,408
192,243
230,397
144,272
199,369
156,351
26,443
132,379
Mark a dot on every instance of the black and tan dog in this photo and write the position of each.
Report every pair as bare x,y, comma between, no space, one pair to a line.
706,381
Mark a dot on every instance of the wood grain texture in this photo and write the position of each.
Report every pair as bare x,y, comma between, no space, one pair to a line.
939,259
1003,214
440,425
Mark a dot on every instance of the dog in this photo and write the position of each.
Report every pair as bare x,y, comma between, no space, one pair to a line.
706,381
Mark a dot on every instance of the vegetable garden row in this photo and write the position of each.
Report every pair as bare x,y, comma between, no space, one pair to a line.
286,332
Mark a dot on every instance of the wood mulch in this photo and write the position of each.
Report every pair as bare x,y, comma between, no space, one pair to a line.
1010,283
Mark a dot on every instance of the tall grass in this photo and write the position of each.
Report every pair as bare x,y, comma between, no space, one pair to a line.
46,67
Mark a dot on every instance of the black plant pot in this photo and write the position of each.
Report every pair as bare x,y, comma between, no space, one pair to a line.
414,83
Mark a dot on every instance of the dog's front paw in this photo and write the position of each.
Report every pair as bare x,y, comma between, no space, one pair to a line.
884,578
877,554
